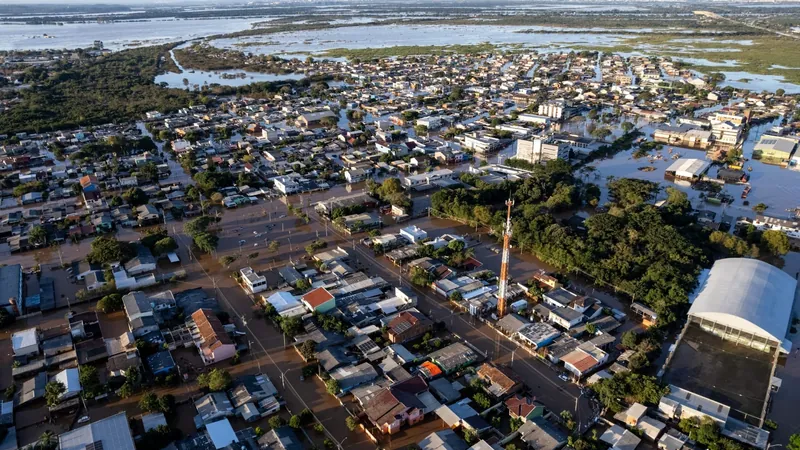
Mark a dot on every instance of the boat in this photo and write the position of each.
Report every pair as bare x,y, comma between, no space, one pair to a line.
749,168
746,191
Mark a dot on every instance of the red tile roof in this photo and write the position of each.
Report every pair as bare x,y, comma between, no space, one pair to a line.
211,329
317,297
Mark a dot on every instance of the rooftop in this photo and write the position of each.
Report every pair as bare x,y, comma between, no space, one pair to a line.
110,433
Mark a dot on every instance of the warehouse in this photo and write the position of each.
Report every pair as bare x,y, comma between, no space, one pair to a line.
735,333
746,301
687,169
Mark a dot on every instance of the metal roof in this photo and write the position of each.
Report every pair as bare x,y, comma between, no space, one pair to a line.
747,295
689,167
112,433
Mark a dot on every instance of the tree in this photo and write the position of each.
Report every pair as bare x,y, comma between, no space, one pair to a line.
626,126
629,339
275,422
148,171
470,435
198,225
37,236
227,260
291,326
628,387
206,242
164,246
421,130
515,423
53,392
135,197
110,303
307,349
47,440
332,386
351,422
455,296
273,246
295,421
90,381
216,380
776,242
149,402
107,249
794,442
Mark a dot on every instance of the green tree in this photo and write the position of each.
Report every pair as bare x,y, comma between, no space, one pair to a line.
332,386
90,381
776,242
291,326
148,171
295,422
198,225
629,339
37,236
206,242
110,303
273,246
149,402
107,249
215,380
794,442
53,392
47,440
164,246
351,422
135,197
227,260
275,422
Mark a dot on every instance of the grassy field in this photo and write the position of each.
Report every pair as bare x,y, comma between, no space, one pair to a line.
755,53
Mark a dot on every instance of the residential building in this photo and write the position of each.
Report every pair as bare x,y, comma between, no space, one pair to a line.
398,405
11,288
428,179
408,325
210,337
524,407
111,433
443,440
584,359
566,318
143,262
211,408
25,342
283,438
453,357
555,109
355,175
319,300
253,282
619,438
499,381
726,133
286,304
414,234
161,363
541,434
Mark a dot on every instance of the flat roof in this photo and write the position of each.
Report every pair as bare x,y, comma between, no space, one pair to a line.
24,338
735,375
689,167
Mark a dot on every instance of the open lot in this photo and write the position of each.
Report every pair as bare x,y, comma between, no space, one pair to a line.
721,370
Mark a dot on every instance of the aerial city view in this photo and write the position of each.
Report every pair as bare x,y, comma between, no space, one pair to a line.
441,225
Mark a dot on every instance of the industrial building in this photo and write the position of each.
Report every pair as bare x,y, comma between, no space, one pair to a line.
687,169
729,348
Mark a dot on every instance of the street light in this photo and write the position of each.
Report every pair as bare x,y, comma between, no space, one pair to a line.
340,443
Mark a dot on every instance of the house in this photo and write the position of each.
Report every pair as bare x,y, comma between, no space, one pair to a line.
672,440
143,262
428,179
112,433
286,304
414,234
524,407
153,420
147,214
210,337
161,363
498,380
212,407
397,405
453,357
566,318
254,396
443,440
25,342
32,389
351,377
253,281
118,365
408,325
319,300
70,379
11,288
584,359
355,175
95,280
619,438
541,434
283,438
314,119
537,334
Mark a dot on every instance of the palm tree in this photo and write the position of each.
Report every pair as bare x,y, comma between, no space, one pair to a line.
47,440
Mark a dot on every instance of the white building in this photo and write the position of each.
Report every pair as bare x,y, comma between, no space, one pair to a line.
540,150
285,184
427,179
414,234
534,118
726,132
25,342
553,109
252,280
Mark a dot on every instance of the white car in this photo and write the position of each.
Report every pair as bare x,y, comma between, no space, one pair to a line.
255,233
83,419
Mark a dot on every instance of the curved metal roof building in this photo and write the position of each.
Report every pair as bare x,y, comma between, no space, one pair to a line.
747,295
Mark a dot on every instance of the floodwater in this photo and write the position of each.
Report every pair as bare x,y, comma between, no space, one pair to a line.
314,41
197,78
115,35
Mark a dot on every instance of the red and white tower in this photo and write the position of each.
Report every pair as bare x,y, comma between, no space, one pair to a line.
501,295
